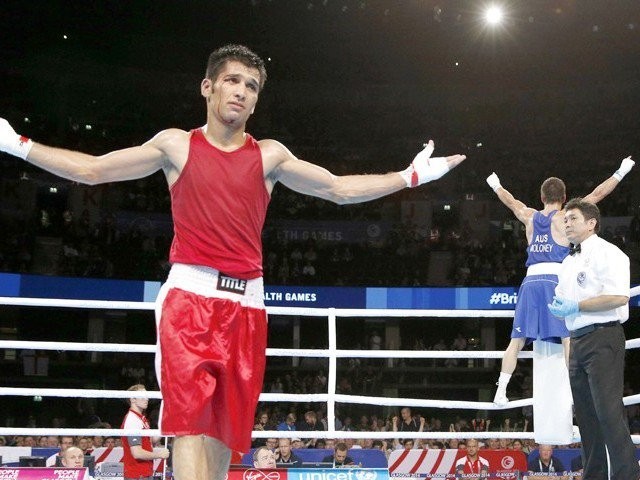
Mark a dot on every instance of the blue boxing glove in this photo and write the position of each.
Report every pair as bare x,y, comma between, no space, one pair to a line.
563,307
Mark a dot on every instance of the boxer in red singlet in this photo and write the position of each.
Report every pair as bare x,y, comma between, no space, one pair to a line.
211,318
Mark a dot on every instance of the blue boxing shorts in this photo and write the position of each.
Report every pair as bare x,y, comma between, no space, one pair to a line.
532,319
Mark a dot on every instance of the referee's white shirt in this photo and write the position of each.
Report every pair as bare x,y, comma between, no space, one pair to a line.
600,268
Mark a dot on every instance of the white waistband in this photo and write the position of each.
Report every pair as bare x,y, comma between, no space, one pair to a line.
544,268
204,281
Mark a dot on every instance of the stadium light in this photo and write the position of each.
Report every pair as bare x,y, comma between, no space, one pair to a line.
493,15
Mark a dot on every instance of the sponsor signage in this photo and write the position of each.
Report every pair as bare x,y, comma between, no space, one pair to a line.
315,297
444,298
327,231
434,463
310,474
37,473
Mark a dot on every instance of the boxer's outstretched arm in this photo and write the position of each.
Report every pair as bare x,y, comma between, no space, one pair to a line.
304,177
519,209
126,164
606,187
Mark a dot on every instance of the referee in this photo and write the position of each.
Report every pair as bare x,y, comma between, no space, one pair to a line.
592,295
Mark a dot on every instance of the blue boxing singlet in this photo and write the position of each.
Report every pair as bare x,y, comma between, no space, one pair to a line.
542,247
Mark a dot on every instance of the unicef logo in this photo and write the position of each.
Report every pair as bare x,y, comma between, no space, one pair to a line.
366,475
507,462
255,474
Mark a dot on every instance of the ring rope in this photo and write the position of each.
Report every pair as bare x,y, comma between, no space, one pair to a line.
285,397
340,434
278,352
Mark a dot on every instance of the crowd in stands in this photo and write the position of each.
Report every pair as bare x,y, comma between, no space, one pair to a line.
96,244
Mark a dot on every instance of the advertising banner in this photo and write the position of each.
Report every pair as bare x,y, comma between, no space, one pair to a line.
310,474
43,473
434,463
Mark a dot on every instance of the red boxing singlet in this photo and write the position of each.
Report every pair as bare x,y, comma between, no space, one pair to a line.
219,204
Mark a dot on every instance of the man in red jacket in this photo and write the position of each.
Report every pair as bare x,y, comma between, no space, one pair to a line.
138,451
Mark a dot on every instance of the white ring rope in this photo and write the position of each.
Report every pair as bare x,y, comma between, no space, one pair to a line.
332,353
271,352
112,432
278,352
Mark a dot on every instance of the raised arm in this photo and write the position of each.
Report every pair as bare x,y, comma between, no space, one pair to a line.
606,187
126,164
519,209
304,177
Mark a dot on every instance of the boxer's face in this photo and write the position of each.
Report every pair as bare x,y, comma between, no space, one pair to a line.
233,95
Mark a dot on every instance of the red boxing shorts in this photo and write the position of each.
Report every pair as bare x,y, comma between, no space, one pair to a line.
212,336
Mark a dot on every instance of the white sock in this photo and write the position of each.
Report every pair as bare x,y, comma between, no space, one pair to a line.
503,381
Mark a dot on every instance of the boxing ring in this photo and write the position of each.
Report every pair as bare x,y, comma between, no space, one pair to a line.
332,353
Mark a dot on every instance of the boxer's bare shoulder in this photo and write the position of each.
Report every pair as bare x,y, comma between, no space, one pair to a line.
173,146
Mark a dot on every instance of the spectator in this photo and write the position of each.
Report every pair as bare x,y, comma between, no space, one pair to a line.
109,442
52,441
64,443
72,457
289,424
272,443
339,457
84,444
137,450
408,423
546,462
472,463
263,457
286,458
453,443
310,423
262,420
297,443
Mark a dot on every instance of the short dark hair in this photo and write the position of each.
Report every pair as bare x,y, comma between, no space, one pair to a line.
341,446
588,210
238,53
553,190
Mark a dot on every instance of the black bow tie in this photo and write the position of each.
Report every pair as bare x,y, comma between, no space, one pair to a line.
573,249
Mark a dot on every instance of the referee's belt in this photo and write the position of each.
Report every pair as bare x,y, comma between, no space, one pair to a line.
592,328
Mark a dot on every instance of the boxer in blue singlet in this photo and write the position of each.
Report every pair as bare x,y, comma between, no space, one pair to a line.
548,246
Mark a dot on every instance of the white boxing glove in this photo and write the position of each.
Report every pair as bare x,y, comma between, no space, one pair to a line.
494,181
625,167
424,169
13,143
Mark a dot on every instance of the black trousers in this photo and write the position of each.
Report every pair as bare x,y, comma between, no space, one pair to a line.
596,372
